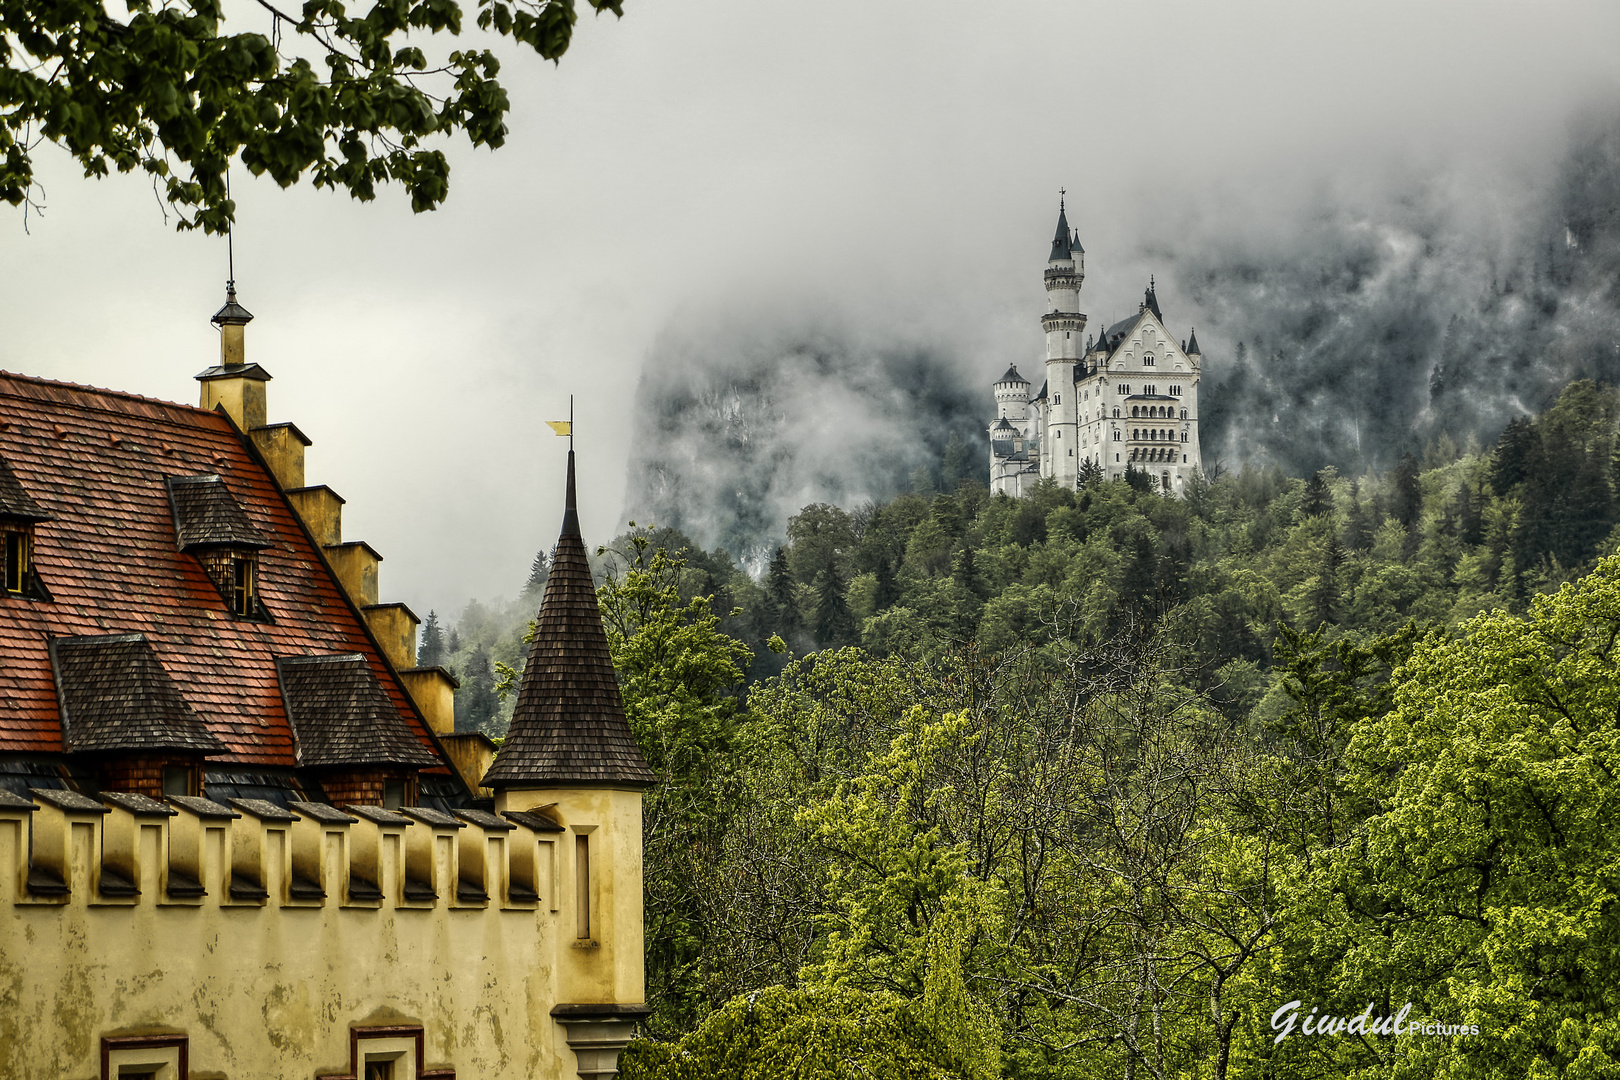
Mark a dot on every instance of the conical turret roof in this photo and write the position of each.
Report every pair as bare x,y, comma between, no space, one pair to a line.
1192,345
569,728
1150,300
1012,376
1060,240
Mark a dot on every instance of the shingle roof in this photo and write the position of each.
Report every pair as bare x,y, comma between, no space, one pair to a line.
568,727
342,715
15,501
115,695
1012,376
109,557
206,514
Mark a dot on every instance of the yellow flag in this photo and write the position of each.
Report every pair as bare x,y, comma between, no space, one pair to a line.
561,427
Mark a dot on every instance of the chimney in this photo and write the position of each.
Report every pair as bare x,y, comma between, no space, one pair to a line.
234,383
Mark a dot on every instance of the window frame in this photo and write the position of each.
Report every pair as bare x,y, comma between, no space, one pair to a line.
170,1055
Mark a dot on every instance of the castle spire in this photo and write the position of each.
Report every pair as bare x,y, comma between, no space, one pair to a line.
1060,240
1192,344
1150,301
569,728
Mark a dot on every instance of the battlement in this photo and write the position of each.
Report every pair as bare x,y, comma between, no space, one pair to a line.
310,922
61,848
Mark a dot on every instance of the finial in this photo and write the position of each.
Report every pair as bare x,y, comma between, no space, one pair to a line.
1150,283
1061,193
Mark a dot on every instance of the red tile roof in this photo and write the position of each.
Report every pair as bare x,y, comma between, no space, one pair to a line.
97,460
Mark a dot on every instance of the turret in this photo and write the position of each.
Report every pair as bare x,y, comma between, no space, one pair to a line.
570,757
1012,396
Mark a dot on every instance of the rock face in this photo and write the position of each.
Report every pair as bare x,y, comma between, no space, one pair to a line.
738,429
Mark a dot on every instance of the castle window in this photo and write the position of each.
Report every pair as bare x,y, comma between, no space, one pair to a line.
1184,414
19,513
1116,439
1134,411
1183,436
1116,413
582,886
212,526
158,1057
1147,359
16,556
1057,399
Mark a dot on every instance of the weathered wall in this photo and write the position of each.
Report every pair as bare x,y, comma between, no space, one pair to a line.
270,986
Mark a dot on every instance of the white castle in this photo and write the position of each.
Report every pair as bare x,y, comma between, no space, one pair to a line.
1128,399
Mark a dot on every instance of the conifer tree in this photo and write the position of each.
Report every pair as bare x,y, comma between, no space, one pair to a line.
431,652
835,625
539,571
476,702
1408,492
1318,497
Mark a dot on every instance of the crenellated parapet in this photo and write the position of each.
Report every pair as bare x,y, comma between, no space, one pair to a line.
60,848
303,923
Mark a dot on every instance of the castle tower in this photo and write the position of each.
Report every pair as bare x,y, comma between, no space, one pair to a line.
570,757
1064,326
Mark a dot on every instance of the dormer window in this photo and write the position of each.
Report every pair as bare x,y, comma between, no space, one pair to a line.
19,514
213,527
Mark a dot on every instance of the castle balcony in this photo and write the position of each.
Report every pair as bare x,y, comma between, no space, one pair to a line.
1063,320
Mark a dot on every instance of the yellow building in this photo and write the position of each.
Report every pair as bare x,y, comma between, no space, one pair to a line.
239,836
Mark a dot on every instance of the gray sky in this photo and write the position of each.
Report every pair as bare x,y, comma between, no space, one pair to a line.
900,160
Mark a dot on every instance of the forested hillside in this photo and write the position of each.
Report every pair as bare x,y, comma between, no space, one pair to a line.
1099,782
1104,783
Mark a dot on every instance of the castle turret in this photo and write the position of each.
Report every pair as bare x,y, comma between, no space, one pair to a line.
570,757
1012,397
1064,326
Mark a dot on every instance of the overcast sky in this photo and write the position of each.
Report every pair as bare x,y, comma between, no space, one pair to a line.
898,159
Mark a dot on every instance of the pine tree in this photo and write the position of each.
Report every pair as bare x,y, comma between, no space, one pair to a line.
1408,492
1090,473
835,626
1325,594
779,590
476,703
539,571
1318,497
431,652
455,641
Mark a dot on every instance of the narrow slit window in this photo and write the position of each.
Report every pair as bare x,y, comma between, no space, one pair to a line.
582,885
243,586
16,556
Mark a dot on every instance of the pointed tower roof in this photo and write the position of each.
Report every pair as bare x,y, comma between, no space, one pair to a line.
568,728
232,314
1192,345
1078,250
1012,376
1150,301
1060,239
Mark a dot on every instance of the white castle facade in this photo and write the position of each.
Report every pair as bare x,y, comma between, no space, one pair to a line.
1127,399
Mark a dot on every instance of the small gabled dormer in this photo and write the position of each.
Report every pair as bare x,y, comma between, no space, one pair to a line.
210,525
19,514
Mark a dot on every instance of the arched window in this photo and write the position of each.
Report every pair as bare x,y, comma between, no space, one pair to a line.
1116,412
1183,436
1116,438
1184,414
1134,411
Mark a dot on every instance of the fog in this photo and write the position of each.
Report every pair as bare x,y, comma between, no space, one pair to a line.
858,198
